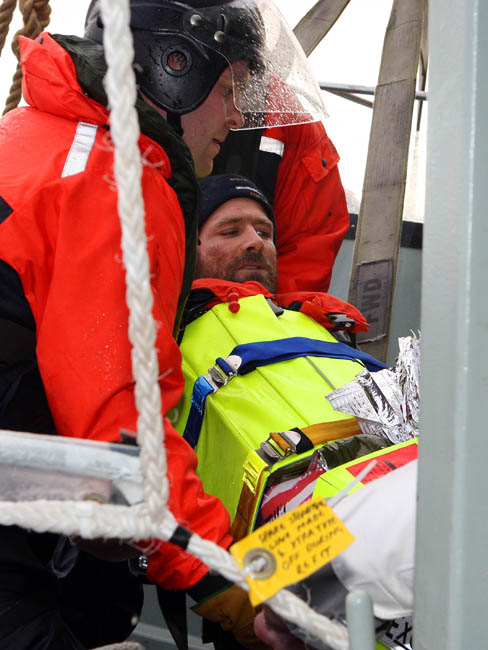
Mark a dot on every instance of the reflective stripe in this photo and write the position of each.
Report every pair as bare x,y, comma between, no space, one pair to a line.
271,145
80,149
248,188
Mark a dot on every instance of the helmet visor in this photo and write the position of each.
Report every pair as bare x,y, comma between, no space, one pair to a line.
280,88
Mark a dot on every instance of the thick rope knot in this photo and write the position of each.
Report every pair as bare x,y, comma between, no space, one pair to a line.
36,15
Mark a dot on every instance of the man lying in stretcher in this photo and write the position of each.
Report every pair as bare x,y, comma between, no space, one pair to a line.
258,419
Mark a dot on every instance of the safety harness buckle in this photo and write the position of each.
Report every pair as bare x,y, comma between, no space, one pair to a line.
280,445
218,377
341,321
272,452
224,370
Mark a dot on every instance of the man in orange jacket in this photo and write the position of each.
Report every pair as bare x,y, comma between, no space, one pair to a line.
63,292
309,203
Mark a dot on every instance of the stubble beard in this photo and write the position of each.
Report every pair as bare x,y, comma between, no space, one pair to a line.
233,271
268,278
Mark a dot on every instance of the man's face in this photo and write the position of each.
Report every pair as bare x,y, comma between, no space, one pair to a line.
206,128
236,244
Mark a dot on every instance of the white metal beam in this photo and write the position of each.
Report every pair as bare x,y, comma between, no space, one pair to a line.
452,532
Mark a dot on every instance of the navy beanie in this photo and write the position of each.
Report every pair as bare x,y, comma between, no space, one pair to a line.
218,189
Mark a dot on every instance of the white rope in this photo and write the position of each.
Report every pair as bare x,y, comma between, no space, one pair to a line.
284,603
152,518
120,85
93,520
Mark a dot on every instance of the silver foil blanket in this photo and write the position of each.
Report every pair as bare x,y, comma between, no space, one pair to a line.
386,402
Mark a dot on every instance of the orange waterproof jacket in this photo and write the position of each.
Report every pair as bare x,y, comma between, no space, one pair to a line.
310,207
60,231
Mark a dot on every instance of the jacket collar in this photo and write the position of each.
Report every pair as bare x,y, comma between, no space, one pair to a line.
89,61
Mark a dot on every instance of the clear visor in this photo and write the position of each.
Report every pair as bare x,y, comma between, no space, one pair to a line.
279,88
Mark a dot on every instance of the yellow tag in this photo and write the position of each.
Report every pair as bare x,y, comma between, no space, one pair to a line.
290,548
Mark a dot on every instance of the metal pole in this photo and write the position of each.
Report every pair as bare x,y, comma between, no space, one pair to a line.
361,90
452,531
360,623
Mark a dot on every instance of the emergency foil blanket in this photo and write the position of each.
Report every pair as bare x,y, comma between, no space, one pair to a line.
386,402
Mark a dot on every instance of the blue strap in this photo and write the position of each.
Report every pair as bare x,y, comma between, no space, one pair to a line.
264,353
222,363
201,390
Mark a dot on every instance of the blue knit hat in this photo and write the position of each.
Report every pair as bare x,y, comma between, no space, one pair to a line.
218,189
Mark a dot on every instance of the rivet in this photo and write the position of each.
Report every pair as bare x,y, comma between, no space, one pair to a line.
259,563
196,20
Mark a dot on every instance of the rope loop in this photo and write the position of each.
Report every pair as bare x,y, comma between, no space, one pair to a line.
36,15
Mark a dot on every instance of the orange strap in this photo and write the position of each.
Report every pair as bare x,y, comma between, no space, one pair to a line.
321,432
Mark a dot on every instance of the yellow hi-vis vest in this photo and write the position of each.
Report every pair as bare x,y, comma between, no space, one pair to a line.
247,431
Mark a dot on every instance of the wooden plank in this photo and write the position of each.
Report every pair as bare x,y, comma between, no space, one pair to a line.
316,23
380,216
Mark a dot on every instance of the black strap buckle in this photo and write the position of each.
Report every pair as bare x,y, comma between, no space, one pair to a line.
341,321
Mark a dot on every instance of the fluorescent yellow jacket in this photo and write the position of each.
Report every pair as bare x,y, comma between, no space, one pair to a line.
238,442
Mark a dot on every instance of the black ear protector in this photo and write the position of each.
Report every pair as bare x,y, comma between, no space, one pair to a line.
177,60
181,47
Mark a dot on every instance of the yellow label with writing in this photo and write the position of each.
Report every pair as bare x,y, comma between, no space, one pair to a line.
290,548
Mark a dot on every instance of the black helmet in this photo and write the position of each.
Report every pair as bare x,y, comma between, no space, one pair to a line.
182,48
